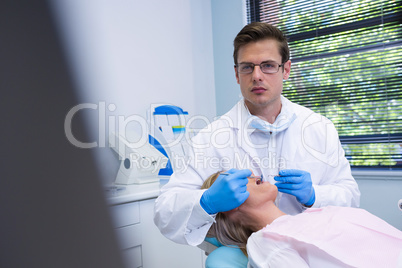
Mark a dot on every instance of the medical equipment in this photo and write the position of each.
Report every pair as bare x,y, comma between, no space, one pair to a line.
169,134
115,190
140,161
258,179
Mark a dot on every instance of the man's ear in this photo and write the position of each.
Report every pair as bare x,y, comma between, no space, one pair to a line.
237,75
286,68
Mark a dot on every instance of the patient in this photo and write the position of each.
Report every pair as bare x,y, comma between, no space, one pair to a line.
323,237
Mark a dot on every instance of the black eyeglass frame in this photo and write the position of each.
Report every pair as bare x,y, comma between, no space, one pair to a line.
252,64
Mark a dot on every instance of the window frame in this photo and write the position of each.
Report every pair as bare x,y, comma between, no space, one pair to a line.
253,14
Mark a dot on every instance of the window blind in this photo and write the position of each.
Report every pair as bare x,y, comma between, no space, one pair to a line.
347,65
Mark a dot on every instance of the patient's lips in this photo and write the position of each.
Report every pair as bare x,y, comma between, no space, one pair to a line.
258,179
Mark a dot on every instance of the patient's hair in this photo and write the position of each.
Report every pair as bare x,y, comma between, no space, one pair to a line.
257,31
226,231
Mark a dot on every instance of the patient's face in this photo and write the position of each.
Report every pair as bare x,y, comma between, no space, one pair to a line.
260,193
255,205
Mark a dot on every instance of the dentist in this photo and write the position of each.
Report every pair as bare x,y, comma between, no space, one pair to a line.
289,145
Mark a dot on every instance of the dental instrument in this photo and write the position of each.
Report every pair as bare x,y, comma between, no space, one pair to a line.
258,179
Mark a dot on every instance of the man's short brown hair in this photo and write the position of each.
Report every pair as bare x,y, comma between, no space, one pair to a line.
257,31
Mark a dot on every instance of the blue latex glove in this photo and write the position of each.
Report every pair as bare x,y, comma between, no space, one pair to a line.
227,192
298,183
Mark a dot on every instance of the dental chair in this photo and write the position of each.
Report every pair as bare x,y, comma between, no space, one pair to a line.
220,256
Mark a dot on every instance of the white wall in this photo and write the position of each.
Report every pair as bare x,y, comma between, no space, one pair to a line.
228,18
129,54
380,193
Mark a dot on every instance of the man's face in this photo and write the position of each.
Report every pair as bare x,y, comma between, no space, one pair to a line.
261,90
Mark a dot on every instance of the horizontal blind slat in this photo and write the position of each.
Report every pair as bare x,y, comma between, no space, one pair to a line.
346,64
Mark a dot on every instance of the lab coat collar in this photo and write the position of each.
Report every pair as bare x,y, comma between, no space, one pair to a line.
282,121
244,120
243,124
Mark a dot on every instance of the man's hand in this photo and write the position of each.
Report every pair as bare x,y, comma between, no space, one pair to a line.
298,183
227,192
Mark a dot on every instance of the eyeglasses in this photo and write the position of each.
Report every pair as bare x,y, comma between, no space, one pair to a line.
267,67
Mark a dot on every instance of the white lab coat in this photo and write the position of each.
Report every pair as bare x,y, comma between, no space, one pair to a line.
300,139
